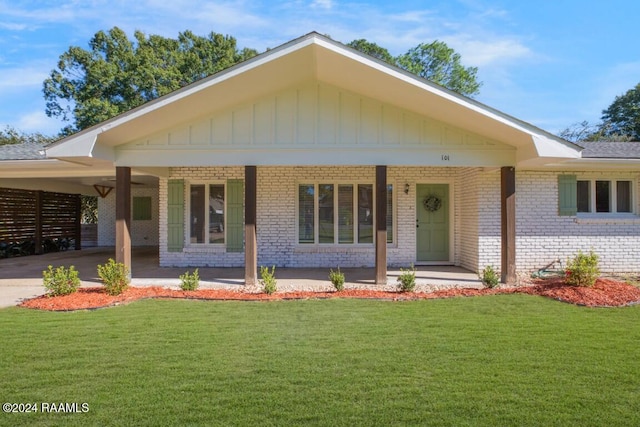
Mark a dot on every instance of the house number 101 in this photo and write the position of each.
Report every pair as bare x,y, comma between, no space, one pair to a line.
445,157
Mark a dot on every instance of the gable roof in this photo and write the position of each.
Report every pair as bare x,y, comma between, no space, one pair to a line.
312,57
26,151
610,150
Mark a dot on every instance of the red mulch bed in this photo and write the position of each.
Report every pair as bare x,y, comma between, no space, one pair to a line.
605,293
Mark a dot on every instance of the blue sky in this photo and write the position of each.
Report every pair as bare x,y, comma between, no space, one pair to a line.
551,63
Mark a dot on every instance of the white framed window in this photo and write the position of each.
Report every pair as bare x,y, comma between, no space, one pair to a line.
207,209
604,196
340,213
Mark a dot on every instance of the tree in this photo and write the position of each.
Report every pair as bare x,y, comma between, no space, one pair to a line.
434,61
585,131
622,117
373,49
441,64
117,74
11,135
620,122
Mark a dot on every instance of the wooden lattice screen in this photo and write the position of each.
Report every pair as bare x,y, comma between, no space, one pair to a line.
39,216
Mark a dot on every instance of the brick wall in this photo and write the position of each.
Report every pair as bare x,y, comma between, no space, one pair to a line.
143,233
543,237
196,255
277,220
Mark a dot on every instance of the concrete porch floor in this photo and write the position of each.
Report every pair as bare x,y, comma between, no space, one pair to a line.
21,277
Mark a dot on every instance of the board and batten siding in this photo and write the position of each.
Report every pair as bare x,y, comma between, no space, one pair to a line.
319,119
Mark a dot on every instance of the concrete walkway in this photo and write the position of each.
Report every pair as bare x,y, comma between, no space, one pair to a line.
21,277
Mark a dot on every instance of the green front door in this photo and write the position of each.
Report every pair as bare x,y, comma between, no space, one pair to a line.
432,222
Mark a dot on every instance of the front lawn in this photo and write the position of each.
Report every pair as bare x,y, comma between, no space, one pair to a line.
494,360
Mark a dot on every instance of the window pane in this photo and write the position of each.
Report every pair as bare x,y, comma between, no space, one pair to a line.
390,213
305,213
365,213
216,213
623,198
197,218
584,201
325,213
603,196
345,213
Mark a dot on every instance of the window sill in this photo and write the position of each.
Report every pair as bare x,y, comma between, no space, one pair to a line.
205,248
329,248
607,218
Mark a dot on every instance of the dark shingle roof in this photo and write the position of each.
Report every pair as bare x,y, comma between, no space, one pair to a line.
610,150
28,151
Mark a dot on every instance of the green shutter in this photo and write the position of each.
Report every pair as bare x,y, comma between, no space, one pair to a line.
235,217
567,195
141,208
175,215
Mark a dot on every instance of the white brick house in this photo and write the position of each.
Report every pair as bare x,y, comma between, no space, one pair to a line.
315,155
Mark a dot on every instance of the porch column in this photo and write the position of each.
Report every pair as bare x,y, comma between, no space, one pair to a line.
508,223
78,232
123,216
250,216
381,225
38,235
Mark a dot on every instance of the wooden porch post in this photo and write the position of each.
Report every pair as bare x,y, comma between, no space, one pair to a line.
123,216
508,223
250,216
78,232
381,225
38,236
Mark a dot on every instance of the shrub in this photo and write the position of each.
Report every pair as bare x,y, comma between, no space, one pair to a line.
189,282
61,281
115,277
582,270
489,277
337,279
407,280
268,279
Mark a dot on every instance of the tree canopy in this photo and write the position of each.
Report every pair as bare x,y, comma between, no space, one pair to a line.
373,49
433,61
622,117
441,64
117,74
11,135
620,122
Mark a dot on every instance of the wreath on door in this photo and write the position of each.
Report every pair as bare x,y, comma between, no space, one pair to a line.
432,203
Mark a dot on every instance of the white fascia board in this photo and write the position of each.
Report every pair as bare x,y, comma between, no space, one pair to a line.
79,146
547,147
49,168
47,184
597,164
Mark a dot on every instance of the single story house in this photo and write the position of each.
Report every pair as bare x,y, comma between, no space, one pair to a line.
313,154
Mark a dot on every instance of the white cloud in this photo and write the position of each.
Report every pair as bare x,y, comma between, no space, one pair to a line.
13,26
489,51
16,79
324,4
37,121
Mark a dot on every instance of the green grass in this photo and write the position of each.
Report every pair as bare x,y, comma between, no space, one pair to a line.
502,360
